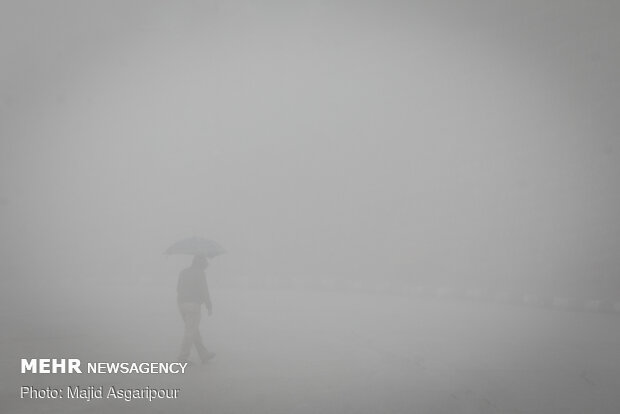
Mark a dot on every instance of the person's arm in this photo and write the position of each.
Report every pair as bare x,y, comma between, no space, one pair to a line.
181,286
207,297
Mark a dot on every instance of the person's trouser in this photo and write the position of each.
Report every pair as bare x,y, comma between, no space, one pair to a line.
190,312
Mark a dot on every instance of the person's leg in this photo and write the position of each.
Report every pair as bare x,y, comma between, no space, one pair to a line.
191,319
197,340
204,354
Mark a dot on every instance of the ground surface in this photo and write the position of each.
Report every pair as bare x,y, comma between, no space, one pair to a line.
323,352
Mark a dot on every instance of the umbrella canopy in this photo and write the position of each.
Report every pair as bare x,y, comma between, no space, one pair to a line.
196,246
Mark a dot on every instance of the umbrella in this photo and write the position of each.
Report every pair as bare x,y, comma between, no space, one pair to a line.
196,246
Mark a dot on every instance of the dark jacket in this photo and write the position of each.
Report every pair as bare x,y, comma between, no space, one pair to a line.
192,287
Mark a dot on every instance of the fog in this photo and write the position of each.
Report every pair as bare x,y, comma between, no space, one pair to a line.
329,146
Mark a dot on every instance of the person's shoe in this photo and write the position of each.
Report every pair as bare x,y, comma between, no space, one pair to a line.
207,357
185,361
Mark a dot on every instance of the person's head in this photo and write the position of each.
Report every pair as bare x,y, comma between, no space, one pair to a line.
200,262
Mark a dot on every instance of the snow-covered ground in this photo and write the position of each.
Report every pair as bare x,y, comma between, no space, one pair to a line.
296,351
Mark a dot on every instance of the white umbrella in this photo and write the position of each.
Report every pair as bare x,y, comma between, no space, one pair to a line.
196,246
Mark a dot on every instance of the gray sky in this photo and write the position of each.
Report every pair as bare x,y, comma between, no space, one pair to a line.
411,140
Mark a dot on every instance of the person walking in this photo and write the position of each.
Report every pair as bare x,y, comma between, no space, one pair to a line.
192,293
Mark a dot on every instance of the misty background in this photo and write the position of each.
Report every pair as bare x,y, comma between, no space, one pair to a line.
354,159
470,144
